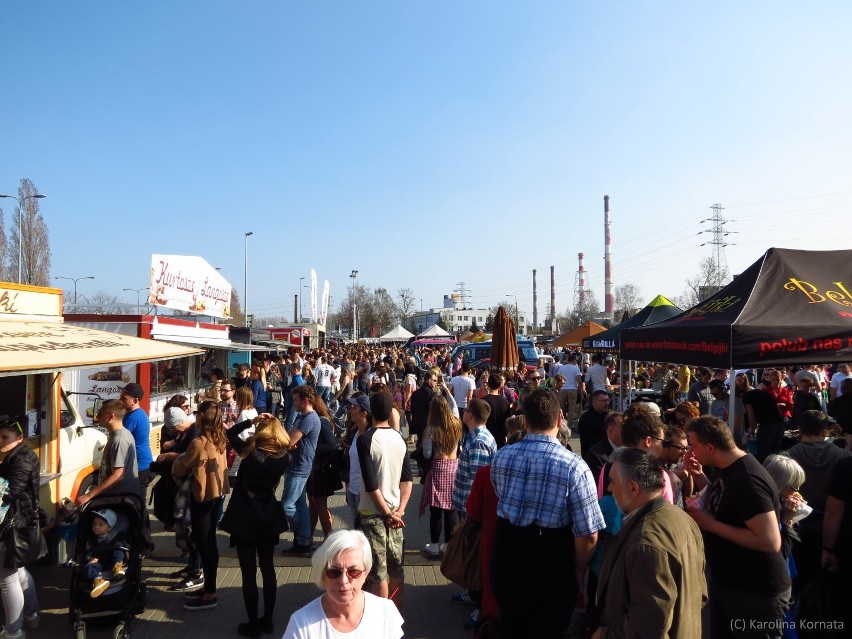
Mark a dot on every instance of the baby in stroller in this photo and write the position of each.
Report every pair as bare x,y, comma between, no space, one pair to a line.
107,550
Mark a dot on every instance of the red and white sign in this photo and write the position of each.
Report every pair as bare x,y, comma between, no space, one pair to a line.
188,283
289,336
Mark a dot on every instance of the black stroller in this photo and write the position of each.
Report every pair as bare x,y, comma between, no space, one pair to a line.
125,597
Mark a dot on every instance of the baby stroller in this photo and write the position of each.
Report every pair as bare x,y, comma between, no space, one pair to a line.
125,596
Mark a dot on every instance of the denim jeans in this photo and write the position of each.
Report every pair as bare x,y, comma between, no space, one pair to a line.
295,506
325,393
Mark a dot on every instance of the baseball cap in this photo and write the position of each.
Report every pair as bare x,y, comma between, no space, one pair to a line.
380,406
107,515
362,402
134,390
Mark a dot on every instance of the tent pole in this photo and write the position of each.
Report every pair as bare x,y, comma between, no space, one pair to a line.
732,401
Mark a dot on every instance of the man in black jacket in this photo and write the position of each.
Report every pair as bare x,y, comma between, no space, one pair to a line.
420,400
598,454
591,424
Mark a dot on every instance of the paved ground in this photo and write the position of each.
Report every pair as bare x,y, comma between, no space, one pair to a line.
427,610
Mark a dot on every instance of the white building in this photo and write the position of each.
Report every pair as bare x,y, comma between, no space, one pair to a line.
456,317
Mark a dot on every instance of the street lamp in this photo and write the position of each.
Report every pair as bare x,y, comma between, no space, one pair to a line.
516,309
299,320
245,280
73,279
137,291
35,196
353,275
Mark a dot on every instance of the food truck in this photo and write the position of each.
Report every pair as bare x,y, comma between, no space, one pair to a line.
182,375
38,349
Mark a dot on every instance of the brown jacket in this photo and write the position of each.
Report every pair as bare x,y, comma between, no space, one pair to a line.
652,578
208,467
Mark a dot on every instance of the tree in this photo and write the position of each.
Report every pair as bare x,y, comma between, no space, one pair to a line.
238,317
34,243
705,283
474,327
489,322
383,312
100,303
628,297
360,299
405,304
442,322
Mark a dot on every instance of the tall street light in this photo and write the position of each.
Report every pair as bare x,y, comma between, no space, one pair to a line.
353,275
516,310
73,279
299,320
137,291
245,280
35,196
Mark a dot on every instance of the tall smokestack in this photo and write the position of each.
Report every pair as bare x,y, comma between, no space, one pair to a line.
553,326
581,293
535,304
609,300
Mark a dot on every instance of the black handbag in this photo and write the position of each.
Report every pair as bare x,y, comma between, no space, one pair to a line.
27,541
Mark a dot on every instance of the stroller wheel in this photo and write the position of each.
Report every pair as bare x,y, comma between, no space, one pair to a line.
79,630
122,631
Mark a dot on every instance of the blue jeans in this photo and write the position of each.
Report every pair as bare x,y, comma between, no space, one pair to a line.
295,506
325,393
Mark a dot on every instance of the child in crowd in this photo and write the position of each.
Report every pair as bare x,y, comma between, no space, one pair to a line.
103,525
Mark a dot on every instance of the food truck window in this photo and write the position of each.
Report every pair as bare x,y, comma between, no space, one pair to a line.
204,366
13,397
169,375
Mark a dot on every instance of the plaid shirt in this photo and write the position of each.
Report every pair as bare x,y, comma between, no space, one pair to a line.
229,413
539,482
478,448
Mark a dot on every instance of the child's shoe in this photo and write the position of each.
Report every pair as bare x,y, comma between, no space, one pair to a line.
98,586
118,570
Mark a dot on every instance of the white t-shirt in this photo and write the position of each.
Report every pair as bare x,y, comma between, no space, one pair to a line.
836,381
248,413
570,372
381,619
597,376
462,385
354,486
323,373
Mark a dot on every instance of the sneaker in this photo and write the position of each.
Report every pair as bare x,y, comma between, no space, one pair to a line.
443,548
118,570
193,595
266,625
433,550
4,634
471,622
195,582
32,621
183,573
298,549
463,598
199,604
98,586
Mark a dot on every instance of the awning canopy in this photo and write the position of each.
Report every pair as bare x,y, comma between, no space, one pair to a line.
210,343
50,347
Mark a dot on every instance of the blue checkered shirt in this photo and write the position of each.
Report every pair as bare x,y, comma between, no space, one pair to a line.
478,448
539,482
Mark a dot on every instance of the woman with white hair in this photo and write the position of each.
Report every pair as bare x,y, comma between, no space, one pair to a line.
340,567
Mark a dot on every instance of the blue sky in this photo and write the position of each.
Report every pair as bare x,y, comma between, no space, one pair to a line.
425,144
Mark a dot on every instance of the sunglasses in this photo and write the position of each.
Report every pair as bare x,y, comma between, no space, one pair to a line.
682,449
336,573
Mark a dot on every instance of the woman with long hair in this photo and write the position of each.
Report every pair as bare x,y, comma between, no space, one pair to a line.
21,470
440,442
308,375
175,413
205,461
254,517
245,405
258,388
670,394
324,479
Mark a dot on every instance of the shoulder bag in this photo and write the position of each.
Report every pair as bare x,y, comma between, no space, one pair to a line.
461,562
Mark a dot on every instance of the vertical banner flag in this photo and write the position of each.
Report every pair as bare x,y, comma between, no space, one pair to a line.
324,309
313,295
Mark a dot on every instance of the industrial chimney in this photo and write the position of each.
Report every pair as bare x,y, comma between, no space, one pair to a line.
609,299
535,304
553,326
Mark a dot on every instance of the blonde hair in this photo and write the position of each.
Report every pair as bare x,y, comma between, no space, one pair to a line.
269,438
445,427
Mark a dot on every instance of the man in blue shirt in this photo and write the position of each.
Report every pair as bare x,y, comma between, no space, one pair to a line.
547,526
303,445
137,424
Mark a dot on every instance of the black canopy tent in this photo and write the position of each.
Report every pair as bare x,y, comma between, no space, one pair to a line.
657,310
789,307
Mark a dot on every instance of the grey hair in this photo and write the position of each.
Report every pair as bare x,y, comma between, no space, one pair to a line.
339,542
640,466
785,472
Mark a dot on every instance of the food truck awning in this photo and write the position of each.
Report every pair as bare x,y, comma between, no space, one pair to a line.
209,343
49,347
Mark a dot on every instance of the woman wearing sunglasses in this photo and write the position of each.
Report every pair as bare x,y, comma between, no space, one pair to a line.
339,567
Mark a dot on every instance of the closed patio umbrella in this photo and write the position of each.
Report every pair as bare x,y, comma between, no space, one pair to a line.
504,342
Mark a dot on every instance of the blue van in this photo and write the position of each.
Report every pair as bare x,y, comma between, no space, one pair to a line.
478,351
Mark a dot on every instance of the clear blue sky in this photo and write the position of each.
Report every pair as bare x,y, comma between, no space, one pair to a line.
427,143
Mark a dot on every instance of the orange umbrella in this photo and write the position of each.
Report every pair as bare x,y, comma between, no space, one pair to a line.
504,342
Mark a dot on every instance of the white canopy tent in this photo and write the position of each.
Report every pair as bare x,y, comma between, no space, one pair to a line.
434,331
397,334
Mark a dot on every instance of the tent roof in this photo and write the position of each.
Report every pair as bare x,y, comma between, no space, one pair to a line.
575,337
434,331
789,307
396,334
658,309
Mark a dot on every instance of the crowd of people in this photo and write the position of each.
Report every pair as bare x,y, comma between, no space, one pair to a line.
674,518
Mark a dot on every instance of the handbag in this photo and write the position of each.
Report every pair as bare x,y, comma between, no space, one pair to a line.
461,562
27,540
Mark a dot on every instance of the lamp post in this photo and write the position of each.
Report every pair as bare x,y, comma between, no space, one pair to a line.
137,291
353,275
35,196
516,310
73,279
299,319
245,280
